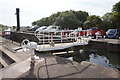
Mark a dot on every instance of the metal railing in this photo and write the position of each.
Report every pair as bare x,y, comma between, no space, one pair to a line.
53,38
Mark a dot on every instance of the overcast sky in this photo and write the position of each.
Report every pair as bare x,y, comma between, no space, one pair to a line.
32,10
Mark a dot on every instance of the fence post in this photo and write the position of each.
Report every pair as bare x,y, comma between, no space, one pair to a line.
43,39
61,38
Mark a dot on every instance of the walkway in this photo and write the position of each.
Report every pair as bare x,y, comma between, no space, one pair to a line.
49,66
57,67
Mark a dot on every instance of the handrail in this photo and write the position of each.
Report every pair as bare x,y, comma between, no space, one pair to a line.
52,37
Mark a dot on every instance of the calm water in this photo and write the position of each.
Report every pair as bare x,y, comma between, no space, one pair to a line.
106,59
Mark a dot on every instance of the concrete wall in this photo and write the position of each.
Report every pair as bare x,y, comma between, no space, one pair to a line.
110,47
19,37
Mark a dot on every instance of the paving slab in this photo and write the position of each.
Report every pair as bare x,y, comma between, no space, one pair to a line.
57,67
17,69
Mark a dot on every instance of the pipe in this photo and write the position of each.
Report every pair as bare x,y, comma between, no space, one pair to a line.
18,19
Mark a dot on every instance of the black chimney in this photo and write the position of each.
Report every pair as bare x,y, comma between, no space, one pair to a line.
18,19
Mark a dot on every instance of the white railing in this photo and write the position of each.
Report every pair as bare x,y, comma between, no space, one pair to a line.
53,38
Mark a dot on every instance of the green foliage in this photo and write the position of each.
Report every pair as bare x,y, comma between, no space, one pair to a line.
3,27
43,21
93,21
34,23
116,7
14,27
107,17
87,24
82,16
116,14
112,19
66,19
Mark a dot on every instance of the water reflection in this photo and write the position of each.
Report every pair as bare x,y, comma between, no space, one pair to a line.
106,59
100,60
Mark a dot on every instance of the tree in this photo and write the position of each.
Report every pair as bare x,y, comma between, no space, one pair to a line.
34,23
3,27
107,20
112,19
93,21
87,24
81,16
116,7
43,22
116,11
14,27
65,19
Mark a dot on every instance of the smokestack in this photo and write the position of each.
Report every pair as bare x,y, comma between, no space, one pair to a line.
18,19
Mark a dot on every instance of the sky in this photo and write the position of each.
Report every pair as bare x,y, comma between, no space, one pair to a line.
33,10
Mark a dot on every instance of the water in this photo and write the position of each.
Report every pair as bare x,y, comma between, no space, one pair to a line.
106,59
